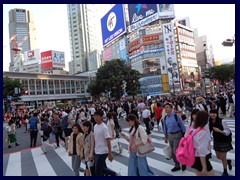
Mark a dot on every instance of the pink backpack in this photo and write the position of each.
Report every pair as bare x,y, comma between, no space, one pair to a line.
185,153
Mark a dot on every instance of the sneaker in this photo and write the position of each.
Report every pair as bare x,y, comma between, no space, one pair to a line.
17,144
56,147
175,169
229,164
184,167
9,146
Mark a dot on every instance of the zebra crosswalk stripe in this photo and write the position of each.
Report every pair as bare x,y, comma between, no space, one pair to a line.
58,163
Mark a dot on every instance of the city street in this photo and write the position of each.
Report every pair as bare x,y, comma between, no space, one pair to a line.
31,162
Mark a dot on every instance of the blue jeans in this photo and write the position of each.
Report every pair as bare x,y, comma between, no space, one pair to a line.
138,166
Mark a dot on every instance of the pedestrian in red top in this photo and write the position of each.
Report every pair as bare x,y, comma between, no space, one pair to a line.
158,114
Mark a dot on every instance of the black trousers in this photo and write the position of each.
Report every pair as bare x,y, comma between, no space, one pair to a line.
59,135
101,167
146,121
33,138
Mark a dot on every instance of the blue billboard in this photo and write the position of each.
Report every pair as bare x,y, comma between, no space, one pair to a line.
113,24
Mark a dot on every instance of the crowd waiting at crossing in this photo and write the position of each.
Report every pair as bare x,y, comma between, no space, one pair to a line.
88,130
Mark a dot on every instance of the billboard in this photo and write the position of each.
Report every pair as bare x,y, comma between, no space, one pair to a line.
170,53
46,60
58,59
166,11
31,57
113,24
141,15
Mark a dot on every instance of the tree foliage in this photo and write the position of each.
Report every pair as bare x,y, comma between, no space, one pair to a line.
9,86
223,73
110,77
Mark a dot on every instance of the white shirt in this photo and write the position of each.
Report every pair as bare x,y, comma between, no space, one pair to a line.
101,133
233,97
112,133
146,113
201,142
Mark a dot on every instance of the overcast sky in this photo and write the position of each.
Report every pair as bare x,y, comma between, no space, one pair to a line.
215,21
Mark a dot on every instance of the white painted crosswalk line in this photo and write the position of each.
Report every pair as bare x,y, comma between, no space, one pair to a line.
42,164
14,165
117,167
62,153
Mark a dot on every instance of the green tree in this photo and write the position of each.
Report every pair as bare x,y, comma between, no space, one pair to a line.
110,77
9,88
223,73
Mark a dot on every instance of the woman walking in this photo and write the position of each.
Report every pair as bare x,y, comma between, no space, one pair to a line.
222,139
88,147
137,164
201,141
75,148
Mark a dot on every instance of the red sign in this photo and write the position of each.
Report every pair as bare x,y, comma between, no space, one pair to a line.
30,54
46,60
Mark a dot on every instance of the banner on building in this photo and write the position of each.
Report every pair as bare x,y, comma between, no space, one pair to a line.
170,53
113,24
166,11
141,15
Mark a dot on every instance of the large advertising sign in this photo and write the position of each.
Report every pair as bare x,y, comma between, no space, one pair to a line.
170,53
46,60
113,24
141,15
58,59
31,57
166,11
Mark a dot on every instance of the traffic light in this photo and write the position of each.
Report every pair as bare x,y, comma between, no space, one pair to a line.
228,42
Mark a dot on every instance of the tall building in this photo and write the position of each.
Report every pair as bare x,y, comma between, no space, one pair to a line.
84,34
21,22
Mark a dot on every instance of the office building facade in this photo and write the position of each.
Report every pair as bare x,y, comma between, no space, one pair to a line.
21,22
84,35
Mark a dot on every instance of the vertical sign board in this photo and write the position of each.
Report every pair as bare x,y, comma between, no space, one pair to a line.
170,53
58,59
46,60
113,24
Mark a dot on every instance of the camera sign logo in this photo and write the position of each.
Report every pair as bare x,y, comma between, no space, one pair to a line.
111,21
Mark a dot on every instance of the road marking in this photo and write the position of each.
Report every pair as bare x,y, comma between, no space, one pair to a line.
14,165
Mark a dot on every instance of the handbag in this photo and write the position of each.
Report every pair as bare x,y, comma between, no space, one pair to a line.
146,148
167,151
116,146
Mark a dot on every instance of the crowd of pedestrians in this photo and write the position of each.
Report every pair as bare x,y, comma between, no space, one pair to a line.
87,131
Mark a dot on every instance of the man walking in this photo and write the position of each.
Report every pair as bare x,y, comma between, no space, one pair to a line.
173,129
102,145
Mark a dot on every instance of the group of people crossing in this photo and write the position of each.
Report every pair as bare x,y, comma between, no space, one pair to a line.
87,132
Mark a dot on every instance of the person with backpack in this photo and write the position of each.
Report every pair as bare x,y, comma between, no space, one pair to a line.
33,127
45,130
174,130
222,139
201,140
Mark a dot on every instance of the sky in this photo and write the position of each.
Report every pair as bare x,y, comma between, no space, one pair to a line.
216,21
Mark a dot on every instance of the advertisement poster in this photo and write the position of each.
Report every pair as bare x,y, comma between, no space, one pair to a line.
141,15
166,11
170,53
46,60
113,24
